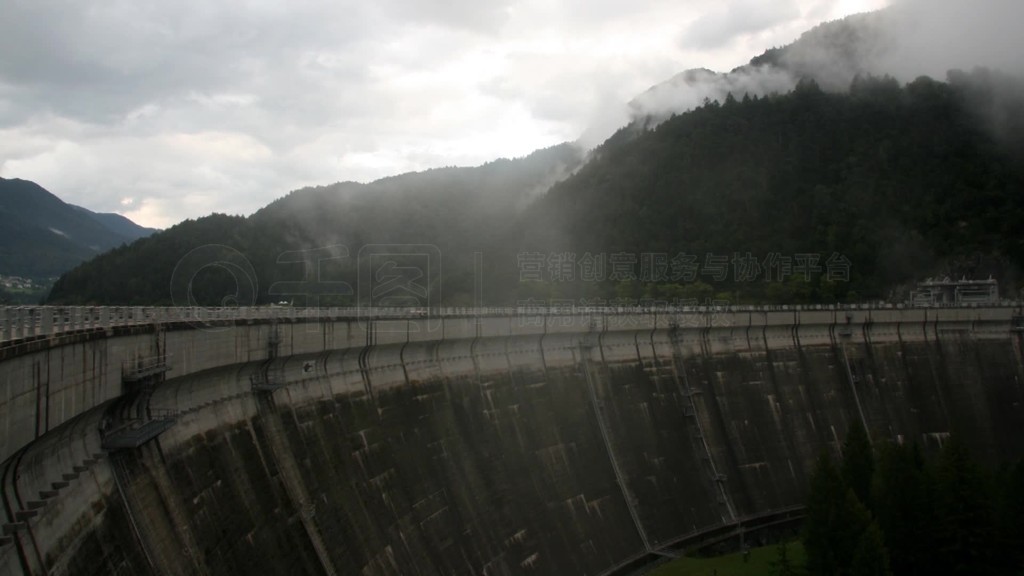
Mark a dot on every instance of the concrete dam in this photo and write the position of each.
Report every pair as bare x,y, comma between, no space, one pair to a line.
492,442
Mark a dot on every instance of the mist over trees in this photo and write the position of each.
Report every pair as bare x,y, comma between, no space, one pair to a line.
314,235
905,182
900,182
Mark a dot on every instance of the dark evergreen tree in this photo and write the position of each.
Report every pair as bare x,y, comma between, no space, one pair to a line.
834,522
783,565
964,517
858,462
1009,545
903,503
870,557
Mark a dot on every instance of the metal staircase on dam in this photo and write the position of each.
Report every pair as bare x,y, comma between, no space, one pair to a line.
135,433
139,378
146,371
17,517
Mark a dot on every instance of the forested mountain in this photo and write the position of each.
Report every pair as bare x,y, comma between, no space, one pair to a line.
42,236
804,197
451,212
904,182
832,54
799,178
118,224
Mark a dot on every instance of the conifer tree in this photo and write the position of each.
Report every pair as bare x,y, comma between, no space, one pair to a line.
834,522
858,462
870,558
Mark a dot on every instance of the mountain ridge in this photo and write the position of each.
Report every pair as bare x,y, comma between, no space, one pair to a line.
43,236
449,211
902,180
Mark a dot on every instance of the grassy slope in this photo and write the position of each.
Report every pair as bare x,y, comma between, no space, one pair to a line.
760,563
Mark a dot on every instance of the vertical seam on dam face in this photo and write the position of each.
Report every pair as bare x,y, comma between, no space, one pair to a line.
364,368
717,420
932,370
10,510
540,346
120,479
37,384
701,439
291,478
37,554
784,415
853,388
937,377
804,382
165,485
606,437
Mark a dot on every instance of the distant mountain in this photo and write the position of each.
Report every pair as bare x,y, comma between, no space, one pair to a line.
118,224
42,236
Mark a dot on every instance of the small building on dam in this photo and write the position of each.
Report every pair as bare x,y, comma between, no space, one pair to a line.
463,441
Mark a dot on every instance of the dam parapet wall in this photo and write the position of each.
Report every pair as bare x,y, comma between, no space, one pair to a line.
56,363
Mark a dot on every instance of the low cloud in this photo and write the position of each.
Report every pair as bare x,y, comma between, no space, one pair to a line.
907,40
691,88
728,20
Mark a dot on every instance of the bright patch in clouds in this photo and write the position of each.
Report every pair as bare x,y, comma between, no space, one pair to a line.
164,111
843,7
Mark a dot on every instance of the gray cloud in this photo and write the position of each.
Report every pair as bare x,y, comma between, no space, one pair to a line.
689,89
165,111
944,34
473,15
727,20
98,62
918,37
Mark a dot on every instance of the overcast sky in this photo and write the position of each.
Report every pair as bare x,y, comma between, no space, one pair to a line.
170,110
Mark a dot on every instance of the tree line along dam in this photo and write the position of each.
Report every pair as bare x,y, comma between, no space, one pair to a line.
459,441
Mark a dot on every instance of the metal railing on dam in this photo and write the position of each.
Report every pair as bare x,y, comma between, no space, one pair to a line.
26,322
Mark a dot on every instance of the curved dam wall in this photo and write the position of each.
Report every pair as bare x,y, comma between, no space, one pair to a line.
556,445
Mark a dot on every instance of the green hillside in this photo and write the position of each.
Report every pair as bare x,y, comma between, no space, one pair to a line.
804,197
904,182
